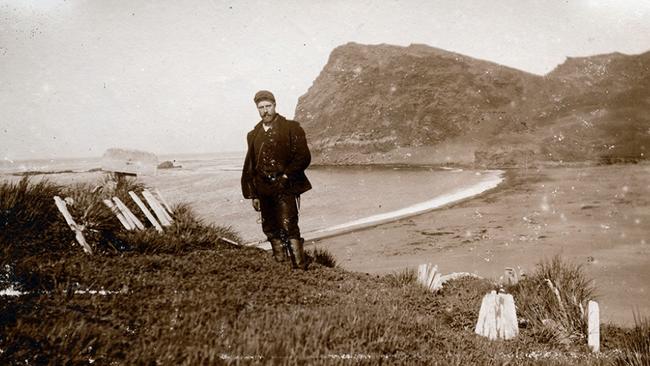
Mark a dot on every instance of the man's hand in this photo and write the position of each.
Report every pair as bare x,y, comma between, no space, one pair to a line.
283,181
256,204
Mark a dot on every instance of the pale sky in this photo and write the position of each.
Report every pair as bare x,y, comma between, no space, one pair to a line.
78,77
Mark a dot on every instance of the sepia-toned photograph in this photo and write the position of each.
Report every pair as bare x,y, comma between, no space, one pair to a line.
343,182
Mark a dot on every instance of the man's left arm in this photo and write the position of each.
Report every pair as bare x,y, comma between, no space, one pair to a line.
300,155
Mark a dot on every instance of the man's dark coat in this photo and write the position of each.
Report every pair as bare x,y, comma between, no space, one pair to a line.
292,152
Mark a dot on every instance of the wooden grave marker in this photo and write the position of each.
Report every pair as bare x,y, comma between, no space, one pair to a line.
160,212
128,214
146,211
120,216
164,202
61,205
511,276
428,275
497,318
593,328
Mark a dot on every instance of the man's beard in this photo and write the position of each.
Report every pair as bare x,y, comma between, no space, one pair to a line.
267,118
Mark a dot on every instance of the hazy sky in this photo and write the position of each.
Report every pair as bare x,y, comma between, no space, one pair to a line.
78,77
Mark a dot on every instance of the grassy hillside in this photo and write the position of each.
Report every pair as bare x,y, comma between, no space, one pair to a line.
185,297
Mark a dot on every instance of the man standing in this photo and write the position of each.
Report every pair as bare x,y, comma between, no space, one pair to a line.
274,177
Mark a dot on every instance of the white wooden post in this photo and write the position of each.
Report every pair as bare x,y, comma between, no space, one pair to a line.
61,205
162,199
125,222
593,328
146,211
128,214
160,202
497,317
486,325
160,212
507,325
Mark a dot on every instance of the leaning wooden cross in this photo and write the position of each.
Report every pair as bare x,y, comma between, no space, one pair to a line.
133,220
78,229
127,162
130,221
146,211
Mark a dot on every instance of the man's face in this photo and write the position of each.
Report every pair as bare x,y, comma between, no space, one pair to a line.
267,110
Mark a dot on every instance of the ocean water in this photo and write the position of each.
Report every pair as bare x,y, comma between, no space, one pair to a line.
227,160
340,195
49,165
210,183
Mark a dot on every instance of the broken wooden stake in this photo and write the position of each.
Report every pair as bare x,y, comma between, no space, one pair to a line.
593,328
146,211
125,222
427,275
511,276
128,214
61,205
497,318
160,212
556,292
228,241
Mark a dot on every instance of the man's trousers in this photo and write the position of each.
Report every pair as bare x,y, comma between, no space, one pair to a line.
280,216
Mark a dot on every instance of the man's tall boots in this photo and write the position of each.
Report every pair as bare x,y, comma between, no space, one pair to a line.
298,253
279,253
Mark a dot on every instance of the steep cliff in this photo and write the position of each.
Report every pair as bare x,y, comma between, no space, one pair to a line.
419,104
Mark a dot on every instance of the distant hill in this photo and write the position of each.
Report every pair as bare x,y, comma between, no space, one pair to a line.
419,104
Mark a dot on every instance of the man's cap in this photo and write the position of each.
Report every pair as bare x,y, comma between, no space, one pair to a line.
264,95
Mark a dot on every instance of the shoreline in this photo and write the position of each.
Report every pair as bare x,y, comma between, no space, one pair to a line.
492,180
495,177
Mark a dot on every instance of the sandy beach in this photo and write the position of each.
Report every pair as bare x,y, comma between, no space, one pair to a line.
597,216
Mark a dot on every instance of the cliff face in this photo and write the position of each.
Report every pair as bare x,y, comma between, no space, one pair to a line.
418,104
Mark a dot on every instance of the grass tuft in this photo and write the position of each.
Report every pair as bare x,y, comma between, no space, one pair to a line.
636,344
322,257
406,277
187,233
553,300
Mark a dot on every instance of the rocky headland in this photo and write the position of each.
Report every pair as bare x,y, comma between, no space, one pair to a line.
384,104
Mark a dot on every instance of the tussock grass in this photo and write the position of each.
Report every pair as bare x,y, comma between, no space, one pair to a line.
26,212
322,257
553,300
636,344
402,278
187,233
33,231
29,230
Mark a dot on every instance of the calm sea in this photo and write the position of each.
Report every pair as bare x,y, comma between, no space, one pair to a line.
210,183
227,160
